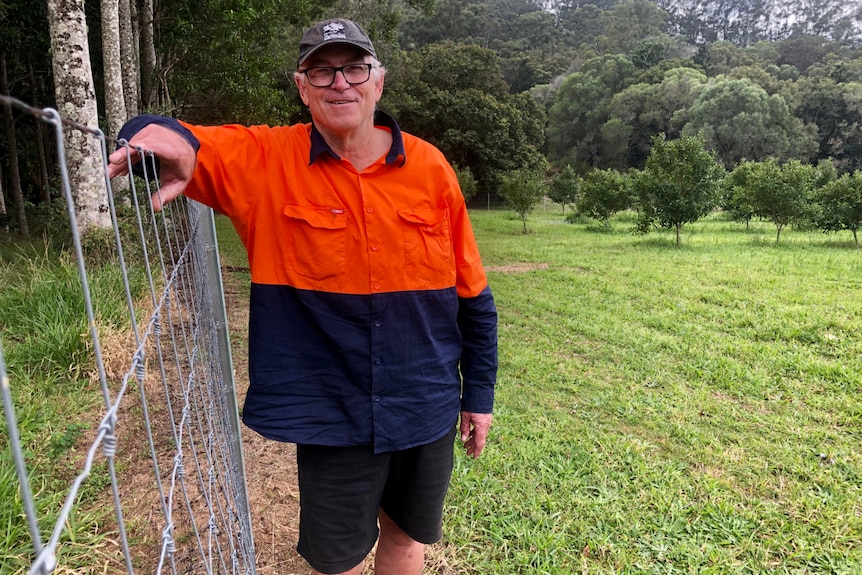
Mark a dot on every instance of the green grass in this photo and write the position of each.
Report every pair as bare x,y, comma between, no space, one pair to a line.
660,409
46,343
664,409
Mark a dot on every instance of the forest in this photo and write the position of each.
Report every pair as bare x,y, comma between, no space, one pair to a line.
501,86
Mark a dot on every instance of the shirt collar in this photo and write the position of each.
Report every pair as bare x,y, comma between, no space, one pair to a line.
381,118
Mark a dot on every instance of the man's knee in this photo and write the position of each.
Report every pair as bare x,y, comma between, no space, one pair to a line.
390,533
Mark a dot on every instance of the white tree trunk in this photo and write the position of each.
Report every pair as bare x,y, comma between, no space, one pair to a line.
76,101
115,103
129,58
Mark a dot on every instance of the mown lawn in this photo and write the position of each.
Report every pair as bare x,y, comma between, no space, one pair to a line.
666,409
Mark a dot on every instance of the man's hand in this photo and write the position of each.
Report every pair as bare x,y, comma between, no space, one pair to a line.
176,161
474,431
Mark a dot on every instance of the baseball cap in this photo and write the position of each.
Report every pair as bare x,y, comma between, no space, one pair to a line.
333,31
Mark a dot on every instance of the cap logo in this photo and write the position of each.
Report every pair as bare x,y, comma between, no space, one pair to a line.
333,30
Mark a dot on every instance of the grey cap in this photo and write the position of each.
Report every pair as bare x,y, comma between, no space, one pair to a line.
333,31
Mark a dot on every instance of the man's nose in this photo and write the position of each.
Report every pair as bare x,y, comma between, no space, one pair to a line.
339,81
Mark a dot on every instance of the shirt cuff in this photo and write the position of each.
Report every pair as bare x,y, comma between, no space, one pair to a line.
138,123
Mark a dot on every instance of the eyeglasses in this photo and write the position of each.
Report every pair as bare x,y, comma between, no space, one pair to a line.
324,76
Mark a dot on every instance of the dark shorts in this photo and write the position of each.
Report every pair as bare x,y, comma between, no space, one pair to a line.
342,489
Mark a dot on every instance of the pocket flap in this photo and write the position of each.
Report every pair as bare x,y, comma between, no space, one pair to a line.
425,217
325,218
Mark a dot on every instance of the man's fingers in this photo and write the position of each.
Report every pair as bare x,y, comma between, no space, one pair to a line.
474,431
117,163
465,429
166,194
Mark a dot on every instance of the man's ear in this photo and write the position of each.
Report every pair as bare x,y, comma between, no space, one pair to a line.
300,85
378,87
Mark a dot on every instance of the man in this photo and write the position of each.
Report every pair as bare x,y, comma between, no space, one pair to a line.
372,324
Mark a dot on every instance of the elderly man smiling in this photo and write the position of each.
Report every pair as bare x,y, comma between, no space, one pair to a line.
372,326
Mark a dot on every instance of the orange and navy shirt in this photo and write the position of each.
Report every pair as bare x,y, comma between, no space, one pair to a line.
371,319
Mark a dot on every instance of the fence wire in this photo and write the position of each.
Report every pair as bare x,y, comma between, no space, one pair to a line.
195,518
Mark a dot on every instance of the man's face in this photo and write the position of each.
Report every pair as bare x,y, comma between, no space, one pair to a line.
340,107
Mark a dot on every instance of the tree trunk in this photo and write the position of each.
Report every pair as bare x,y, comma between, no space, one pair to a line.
44,183
128,59
17,196
76,101
115,103
4,220
148,54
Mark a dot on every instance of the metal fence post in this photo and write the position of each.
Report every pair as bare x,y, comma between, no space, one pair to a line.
219,310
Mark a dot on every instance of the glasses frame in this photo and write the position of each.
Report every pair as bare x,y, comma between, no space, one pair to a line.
335,70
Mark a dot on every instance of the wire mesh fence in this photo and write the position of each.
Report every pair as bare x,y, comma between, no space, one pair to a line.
168,398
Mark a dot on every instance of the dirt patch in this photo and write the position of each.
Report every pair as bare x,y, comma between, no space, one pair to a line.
517,267
270,466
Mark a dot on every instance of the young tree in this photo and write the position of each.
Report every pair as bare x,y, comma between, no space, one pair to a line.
523,190
564,187
781,193
76,97
604,193
734,199
679,184
840,203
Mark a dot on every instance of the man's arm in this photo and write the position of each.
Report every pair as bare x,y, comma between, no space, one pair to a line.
477,320
173,145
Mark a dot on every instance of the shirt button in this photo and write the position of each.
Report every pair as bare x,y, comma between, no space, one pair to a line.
376,324
374,248
429,229
377,399
369,210
376,362
376,286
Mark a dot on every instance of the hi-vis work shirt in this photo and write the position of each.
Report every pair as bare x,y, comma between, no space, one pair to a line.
371,319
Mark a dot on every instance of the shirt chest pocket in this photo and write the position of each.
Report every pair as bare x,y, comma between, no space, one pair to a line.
427,243
319,237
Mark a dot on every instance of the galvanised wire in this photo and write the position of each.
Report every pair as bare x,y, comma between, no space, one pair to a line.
205,520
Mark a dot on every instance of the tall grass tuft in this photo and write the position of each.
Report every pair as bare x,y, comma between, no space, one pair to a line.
46,341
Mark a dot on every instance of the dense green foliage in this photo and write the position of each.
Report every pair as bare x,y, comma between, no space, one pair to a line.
679,184
603,78
840,203
604,193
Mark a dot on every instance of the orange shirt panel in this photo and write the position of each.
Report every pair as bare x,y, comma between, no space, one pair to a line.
327,227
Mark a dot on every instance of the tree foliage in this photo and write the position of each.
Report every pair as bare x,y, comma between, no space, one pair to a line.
454,96
678,185
739,120
523,190
603,193
780,193
564,187
840,204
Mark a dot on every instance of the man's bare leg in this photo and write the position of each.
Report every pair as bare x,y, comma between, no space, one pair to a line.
397,552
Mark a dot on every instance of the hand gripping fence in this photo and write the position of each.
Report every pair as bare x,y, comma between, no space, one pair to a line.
182,367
